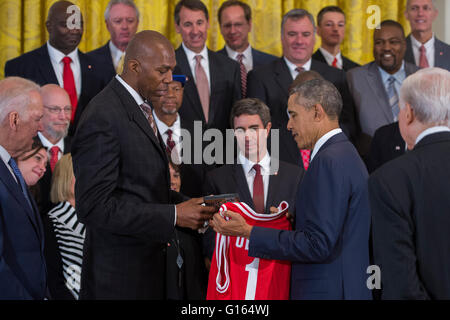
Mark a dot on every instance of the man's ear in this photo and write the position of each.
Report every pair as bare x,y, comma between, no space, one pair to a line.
319,113
409,114
133,66
13,120
268,127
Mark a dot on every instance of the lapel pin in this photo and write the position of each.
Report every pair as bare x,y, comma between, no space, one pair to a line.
441,53
397,147
89,66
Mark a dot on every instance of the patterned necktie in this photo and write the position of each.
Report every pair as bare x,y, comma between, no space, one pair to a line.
423,61
258,190
170,144
393,97
240,58
334,64
148,111
202,86
21,181
69,84
306,154
53,157
299,69
119,67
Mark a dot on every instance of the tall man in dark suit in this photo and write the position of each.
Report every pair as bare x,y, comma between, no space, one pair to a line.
23,274
375,86
251,122
422,47
122,185
122,21
331,28
271,82
410,196
329,247
235,20
60,62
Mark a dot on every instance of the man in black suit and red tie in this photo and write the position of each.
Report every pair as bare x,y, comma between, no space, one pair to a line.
410,196
122,187
60,62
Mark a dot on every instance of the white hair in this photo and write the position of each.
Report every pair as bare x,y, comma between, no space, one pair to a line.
15,96
428,93
129,3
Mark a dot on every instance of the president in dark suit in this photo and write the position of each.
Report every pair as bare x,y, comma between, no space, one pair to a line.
329,247
122,185
423,48
271,82
410,196
251,123
60,62
23,273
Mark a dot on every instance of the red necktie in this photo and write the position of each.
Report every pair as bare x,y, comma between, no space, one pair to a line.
170,144
69,84
53,157
240,57
334,64
423,61
305,157
258,190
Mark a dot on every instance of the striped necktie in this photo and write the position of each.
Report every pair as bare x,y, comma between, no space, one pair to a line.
423,61
21,181
240,58
148,111
393,97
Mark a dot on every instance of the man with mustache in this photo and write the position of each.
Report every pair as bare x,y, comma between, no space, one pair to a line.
375,86
60,62
122,20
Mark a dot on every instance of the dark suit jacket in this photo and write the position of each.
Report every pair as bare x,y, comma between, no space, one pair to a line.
36,66
347,64
271,82
103,55
230,178
410,201
387,144
123,197
329,248
23,273
441,53
259,58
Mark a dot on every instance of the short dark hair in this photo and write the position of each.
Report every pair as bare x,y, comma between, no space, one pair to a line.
231,3
319,91
35,147
297,14
194,5
303,77
328,9
392,23
250,106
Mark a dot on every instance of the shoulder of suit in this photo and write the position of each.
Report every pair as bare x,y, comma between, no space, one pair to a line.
101,51
29,56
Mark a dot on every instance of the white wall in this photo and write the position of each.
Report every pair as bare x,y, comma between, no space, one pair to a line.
441,25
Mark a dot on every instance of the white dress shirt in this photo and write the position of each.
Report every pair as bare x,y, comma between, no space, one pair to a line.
49,145
176,131
429,46
322,141
116,54
292,67
56,57
329,58
6,157
250,173
204,62
247,60
431,130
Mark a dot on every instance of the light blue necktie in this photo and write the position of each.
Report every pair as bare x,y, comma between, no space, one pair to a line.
393,97
19,177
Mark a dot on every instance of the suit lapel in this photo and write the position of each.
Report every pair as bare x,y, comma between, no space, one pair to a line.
214,75
242,186
409,54
439,54
46,67
274,188
283,76
377,87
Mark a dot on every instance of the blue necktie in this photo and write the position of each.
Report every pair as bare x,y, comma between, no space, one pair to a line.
19,177
393,97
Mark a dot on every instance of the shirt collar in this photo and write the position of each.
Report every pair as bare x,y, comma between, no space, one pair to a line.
428,45
57,56
46,143
292,66
322,141
136,96
4,155
248,165
329,57
191,54
162,127
399,76
431,130
115,52
233,54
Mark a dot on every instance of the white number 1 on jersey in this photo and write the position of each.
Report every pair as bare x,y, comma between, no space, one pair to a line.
252,279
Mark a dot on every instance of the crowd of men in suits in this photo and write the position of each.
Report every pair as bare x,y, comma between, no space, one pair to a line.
121,111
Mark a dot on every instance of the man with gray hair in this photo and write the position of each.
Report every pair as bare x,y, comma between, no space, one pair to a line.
271,82
329,247
122,20
22,264
410,196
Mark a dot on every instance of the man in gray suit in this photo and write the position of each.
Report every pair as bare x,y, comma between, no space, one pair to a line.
422,47
375,86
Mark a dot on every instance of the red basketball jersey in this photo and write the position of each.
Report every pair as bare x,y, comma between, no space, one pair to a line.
236,276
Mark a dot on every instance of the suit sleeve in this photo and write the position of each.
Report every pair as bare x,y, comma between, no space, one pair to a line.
324,219
393,243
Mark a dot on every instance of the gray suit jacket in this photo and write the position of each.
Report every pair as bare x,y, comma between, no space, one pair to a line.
441,53
371,101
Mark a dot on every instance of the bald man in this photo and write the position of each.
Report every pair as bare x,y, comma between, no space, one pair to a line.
60,62
122,188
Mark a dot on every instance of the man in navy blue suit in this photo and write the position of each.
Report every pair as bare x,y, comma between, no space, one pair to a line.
22,264
329,247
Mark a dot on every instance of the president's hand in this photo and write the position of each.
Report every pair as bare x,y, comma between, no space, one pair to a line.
235,226
191,213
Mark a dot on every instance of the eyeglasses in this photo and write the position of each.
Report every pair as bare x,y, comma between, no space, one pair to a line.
56,110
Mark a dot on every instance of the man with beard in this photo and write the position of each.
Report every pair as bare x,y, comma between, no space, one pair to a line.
60,62
375,86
